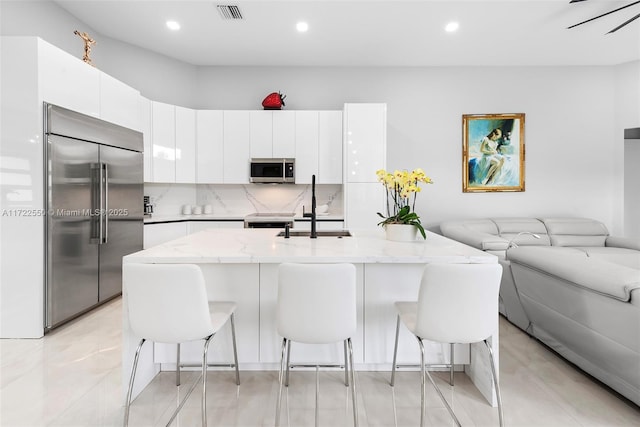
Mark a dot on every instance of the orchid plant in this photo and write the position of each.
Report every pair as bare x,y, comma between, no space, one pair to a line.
402,188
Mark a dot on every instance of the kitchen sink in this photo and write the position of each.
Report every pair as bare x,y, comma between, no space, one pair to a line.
322,233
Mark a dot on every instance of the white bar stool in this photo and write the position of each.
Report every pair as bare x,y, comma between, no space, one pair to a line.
168,303
316,305
457,303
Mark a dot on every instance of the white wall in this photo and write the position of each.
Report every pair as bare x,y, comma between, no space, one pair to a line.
574,115
568,130
626,155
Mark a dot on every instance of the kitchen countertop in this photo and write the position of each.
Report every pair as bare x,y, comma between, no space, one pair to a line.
163,218
262,246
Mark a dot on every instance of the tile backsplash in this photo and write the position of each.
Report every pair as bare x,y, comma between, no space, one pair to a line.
240,200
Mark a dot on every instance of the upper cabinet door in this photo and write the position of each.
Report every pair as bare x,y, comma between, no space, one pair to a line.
237,153
306,137
365,141
119,103
209,147
163,121
185,145
284,134
145,121
261,129
330,165
67,81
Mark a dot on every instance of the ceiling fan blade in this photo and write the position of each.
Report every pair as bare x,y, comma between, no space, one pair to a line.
624,23
605,14
576,1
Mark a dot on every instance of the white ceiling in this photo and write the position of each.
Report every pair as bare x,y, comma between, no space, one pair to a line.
371,33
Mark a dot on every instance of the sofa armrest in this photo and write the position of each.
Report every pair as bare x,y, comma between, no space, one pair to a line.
622,242
600,276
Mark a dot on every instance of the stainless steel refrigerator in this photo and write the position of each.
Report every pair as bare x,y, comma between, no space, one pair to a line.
94,199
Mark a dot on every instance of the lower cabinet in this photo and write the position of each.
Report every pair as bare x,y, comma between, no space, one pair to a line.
320,225
155,234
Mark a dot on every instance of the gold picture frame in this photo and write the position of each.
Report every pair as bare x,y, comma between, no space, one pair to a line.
493,152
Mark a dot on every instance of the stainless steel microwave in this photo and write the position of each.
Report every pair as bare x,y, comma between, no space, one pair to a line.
273,171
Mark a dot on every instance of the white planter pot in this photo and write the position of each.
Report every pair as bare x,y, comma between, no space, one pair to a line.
401,232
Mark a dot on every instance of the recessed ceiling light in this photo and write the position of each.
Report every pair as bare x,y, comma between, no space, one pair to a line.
173,25
302,27
452,27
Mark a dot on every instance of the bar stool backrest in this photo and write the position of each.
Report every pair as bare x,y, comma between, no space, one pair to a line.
458,303
167,303
316,302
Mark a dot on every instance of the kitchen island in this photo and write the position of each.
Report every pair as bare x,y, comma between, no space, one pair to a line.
241,265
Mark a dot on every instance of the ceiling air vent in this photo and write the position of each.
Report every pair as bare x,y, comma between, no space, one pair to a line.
229,11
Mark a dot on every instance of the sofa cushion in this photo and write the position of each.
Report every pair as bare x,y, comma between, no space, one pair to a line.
575,231
574,266
621,256
509,228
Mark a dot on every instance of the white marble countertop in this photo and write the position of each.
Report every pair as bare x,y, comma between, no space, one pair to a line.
262,246
160,218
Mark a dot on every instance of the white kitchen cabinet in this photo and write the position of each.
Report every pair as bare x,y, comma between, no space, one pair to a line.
284,134
68,81
145,124
155,234
163,124
363,201
307,140
318,149
365,141
320,225
119,103
273,134
330,147
185,141
209,147
236,146
261,130
195,226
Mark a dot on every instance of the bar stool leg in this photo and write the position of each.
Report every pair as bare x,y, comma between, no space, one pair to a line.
317,394
395,353
177,364
133,375
451,367
353,384
495,382
286,380
235,348
346,364
281,380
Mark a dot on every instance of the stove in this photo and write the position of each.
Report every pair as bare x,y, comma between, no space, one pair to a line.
269,220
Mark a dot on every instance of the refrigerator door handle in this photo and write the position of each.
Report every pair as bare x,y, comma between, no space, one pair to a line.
105,211
96,201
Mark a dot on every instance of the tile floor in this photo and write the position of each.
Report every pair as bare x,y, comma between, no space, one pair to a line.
72,378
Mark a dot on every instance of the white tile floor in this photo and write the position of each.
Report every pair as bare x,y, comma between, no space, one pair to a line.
72,378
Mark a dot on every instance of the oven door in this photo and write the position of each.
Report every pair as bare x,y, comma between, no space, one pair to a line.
267,224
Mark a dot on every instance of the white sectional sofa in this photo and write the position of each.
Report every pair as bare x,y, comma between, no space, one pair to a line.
575,288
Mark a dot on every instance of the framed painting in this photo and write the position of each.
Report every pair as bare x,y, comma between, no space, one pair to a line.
493,152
